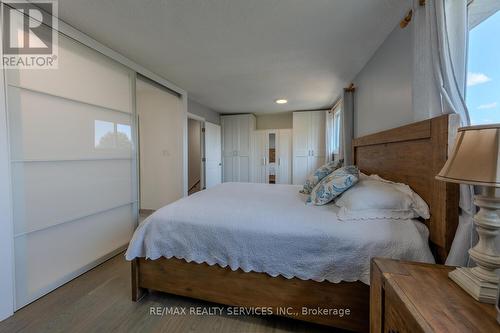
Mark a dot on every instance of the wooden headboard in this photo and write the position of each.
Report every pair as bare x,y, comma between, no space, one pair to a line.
414,154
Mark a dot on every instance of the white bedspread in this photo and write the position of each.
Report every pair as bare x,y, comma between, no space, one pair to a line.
269,228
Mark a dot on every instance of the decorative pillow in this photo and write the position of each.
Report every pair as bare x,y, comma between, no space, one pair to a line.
374,197
319,174
333,185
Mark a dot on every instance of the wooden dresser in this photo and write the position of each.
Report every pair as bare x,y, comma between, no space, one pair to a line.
413,297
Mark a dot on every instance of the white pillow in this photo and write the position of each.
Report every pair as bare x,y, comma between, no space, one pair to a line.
374,197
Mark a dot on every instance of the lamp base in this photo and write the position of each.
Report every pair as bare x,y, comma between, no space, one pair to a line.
483,291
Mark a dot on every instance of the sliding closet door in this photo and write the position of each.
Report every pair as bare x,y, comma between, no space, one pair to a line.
73,167
161,122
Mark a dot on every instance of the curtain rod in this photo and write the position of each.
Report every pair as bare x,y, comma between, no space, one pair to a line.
336,104
407,19
351,88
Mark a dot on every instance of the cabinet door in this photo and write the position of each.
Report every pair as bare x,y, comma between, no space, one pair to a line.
314,162
317,134
228,137
228,148
301,136
243,134
228,169
317,140
301,150
241,169
284,154
259,156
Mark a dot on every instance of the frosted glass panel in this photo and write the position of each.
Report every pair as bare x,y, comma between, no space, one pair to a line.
73,165
48,127
49,258
49,193
88,76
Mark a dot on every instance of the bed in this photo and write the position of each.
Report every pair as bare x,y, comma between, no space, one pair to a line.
257,245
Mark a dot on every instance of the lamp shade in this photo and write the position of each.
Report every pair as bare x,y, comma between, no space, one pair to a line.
475,158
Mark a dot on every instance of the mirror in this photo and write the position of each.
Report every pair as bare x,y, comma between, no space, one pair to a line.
272,158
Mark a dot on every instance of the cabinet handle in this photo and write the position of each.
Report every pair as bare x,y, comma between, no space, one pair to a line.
279,161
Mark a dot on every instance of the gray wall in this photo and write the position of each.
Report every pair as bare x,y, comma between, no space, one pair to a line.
383,97
274,120
203,111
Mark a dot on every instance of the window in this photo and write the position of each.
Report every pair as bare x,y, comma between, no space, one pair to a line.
110,135
483,77
336,132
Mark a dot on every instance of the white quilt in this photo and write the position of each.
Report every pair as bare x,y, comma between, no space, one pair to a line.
269,228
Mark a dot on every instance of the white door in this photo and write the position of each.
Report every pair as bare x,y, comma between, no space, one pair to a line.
160,116
284,154
213,161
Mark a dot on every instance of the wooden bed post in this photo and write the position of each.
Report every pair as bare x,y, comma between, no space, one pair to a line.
137,292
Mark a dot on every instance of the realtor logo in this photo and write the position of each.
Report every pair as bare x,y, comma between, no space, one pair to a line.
29,38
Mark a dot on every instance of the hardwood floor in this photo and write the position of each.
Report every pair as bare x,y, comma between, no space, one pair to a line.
99,301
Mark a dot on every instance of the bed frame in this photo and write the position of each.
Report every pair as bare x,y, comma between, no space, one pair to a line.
412,154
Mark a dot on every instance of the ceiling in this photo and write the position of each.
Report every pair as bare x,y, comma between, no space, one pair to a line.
241,55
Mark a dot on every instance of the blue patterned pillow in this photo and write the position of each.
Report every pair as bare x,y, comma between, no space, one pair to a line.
319,174
333,185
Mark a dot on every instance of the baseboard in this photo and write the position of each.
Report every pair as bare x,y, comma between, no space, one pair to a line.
73,275
146,211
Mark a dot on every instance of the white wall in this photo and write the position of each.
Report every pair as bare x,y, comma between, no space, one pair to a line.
194,151
384,86
275,120
161,125
203,111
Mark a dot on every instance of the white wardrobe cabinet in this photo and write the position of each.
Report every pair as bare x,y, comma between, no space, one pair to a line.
272,156
308,143
237,147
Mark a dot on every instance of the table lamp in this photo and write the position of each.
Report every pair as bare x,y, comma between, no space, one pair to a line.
475,160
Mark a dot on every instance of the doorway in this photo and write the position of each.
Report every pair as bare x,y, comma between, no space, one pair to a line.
204,154
196,152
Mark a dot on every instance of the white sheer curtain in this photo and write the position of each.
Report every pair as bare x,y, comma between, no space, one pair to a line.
334,133
330,132
440,54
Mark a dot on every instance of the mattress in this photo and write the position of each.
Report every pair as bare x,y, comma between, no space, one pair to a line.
270,229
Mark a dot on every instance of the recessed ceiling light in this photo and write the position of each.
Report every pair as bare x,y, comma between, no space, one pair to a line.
281,101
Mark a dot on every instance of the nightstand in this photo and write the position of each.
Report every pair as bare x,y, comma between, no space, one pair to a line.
414,297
